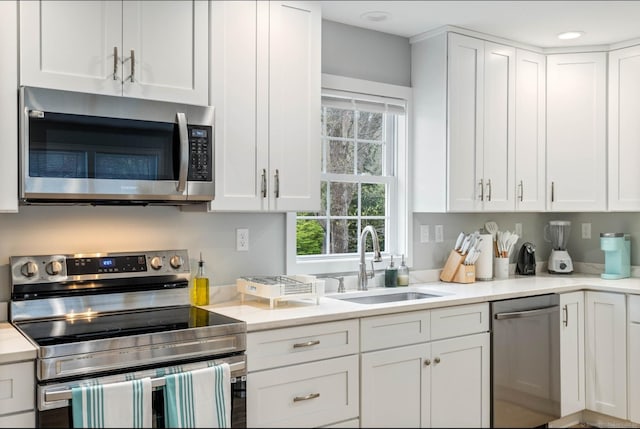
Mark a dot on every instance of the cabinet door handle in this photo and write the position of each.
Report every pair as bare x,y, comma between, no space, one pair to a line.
307,344
565,316
521,185
436,360
489,193
115,63
277,184
306,397
133,66
263,186
481,189
427,362
553,191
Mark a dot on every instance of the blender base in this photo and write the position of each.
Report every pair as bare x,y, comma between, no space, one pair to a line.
560,262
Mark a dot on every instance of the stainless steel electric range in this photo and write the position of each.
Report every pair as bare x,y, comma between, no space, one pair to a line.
109,317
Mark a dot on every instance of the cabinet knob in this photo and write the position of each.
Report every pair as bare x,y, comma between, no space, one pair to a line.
427,362
436,360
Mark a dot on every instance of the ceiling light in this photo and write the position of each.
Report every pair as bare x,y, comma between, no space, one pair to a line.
568,35
375,16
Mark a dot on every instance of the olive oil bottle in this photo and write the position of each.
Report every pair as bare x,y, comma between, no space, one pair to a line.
200,291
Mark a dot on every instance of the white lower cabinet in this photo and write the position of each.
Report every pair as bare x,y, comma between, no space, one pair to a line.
606,353
304,376
634,358
17,398
572,376
442,383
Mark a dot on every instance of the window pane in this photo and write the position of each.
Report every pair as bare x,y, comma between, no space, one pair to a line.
370,157
343,236
343,199
373,199
370,126
338,122
310,237
340,157
379,226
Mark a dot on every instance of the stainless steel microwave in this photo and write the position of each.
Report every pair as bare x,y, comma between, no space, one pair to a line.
78,148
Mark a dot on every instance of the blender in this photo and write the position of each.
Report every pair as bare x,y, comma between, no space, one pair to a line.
557,233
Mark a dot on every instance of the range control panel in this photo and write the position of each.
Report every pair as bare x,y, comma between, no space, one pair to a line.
95,266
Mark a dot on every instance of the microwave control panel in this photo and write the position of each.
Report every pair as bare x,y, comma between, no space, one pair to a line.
200,154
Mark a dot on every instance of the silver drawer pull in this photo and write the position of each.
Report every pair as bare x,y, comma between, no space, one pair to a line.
307,344
306,398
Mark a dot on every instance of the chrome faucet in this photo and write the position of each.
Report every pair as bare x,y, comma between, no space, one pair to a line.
363,276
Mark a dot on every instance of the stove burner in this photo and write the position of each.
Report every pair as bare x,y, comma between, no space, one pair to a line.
100,326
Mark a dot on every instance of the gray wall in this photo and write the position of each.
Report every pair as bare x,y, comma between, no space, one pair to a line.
365,54
433,255
49,230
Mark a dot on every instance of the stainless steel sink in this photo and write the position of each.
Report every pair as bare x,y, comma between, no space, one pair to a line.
389,297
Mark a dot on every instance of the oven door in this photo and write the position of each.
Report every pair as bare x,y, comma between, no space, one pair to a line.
54,403
80,147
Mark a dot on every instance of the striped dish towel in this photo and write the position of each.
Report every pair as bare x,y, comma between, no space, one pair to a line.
198,398
116,405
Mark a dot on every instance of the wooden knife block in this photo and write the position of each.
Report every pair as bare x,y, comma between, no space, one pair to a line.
455,271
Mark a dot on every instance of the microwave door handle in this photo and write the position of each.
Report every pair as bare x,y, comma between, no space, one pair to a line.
184,151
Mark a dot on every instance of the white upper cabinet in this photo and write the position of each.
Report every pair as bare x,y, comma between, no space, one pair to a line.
576,132
464,124
481,131
624,129
145,49
8,107
266,90
530,131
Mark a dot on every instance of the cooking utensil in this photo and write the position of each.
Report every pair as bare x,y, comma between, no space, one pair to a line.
492,228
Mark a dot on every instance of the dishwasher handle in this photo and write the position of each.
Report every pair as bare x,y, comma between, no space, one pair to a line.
526,313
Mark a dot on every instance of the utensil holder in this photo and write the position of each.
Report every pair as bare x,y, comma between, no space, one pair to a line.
455,271
501,268
451,266
465,274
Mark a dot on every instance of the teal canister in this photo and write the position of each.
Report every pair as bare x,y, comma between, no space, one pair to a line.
617,255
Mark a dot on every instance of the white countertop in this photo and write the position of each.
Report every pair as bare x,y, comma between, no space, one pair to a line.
258,316
13,346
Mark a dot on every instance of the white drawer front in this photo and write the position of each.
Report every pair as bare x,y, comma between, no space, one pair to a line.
307,395
17,387
280,347
634,308
22,420
460,320
393,330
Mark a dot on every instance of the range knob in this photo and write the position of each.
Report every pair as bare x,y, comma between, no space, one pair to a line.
29,269
54,268
176,261
156,262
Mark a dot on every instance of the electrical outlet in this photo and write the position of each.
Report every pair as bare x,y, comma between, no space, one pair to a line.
518,230
439,233
242,239
586,230
424,233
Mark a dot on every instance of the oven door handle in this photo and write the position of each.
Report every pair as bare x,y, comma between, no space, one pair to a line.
61,395
526,313
183,135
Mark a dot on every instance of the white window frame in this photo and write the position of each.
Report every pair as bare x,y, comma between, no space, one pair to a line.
336,263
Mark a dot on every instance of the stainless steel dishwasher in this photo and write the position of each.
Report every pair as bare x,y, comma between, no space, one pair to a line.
525,361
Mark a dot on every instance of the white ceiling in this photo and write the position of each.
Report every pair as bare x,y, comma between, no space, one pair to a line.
532,22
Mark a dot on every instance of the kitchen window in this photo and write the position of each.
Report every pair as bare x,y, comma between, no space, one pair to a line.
363,179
